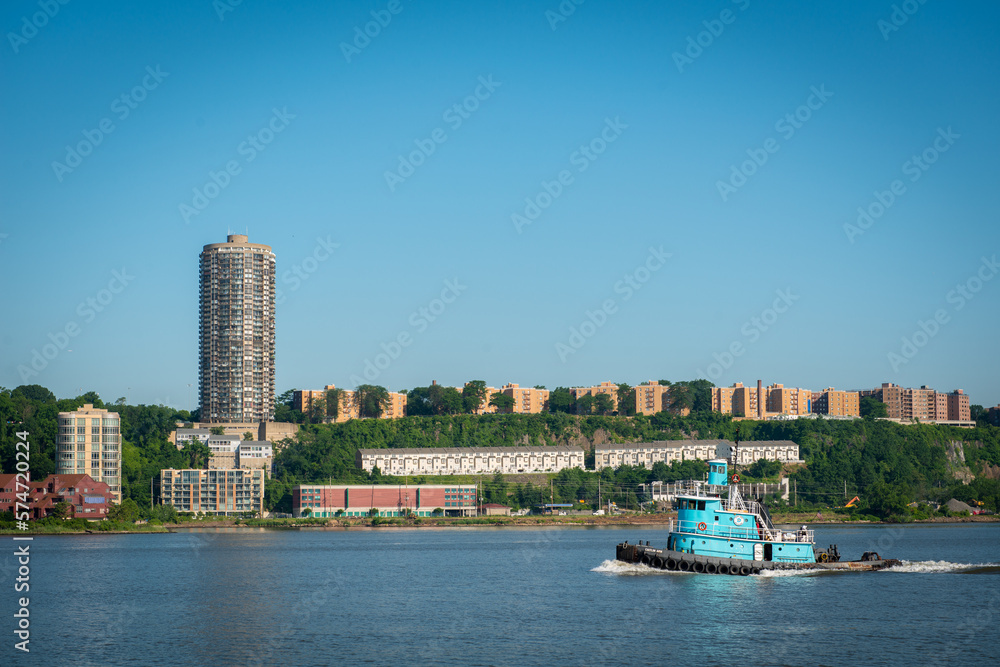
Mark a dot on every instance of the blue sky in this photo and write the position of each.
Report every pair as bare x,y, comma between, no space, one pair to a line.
715,155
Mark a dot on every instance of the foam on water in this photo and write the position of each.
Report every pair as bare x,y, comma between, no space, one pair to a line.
935,566
618,567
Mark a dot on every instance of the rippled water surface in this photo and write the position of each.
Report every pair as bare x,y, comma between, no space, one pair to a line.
497,596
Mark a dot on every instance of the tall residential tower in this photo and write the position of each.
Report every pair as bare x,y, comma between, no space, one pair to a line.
90,444
236,332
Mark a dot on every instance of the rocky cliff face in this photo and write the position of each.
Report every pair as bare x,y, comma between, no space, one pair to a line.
956,460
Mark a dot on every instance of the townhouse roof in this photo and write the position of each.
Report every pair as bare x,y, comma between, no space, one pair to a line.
555,449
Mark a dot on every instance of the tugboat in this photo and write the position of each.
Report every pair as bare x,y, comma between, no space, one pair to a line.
733,535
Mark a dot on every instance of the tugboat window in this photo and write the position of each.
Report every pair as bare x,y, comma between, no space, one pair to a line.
701,504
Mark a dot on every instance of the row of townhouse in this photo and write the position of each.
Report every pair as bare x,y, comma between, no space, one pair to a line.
667,451
470,460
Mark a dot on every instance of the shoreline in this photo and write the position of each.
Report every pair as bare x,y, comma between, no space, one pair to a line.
485,522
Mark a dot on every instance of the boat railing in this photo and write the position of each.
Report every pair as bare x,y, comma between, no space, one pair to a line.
745,533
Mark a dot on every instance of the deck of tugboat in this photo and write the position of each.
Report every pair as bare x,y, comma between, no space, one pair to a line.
751,533
764,530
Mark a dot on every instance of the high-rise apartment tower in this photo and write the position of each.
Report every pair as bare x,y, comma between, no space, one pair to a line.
236,331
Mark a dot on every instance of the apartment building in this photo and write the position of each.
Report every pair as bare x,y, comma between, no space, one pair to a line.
735,400
255,454
922,404
527,400
89,443
225,492
837,403
782,400
236,331
958,406
651,397
348,408
469,460
223,448
323,501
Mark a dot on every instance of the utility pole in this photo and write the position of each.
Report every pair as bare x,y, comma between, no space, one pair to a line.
795,485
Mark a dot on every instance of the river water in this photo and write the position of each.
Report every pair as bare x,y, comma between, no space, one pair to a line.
495,596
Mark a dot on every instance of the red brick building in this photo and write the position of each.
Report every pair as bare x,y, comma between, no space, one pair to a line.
388,500
87,499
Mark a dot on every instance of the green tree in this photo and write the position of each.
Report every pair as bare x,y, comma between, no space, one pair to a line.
333,398
62,510
127,512
217,430
283,411
502,402
473,395
977,413
603,405
872,408
197,452
247,435
585,404
372,400
446,400
561,400
34,393
626,400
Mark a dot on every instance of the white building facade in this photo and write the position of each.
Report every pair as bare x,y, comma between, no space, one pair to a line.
470,460
668,451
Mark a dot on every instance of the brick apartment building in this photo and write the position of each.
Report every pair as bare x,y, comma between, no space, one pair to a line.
421,500
87,498
922,404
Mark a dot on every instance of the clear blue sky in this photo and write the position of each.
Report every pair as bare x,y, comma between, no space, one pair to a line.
663,120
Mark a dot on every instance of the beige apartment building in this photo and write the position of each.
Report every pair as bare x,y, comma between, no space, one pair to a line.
226,492
469,460
608,388
651,397
89,443
302,400
837,403
782,400
527,400
236,331
779,401
735,400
